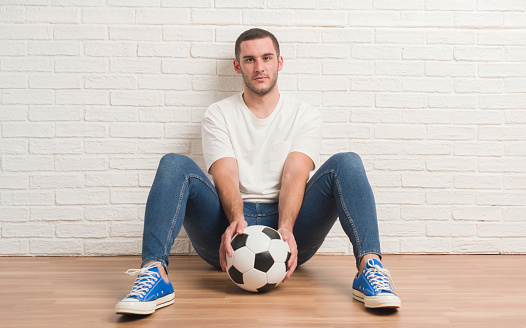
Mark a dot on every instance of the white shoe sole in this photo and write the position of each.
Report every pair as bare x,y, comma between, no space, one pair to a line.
124,307
381,301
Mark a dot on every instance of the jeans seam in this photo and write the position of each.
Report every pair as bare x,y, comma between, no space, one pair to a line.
176,216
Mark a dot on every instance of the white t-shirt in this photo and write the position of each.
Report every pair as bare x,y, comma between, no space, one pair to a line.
260,146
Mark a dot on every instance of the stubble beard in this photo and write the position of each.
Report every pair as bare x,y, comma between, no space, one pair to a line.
260,92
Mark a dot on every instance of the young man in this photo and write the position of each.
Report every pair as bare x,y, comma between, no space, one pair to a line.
260,148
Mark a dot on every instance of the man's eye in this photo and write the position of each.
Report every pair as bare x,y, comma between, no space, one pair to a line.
266,58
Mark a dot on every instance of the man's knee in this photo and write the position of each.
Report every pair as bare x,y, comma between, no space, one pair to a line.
172,163
348,161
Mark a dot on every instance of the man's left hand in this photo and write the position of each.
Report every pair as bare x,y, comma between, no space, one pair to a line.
293,261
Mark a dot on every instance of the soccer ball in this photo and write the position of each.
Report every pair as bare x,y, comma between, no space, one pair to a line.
259,261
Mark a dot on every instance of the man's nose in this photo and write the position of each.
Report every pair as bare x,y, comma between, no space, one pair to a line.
259,65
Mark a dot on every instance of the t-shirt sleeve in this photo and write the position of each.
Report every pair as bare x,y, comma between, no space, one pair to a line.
308,139
215,137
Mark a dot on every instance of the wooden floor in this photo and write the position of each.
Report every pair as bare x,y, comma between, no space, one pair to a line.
436,291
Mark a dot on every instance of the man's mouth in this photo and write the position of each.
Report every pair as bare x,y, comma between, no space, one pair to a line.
260,77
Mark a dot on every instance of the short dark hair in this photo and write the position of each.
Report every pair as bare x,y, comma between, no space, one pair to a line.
254,34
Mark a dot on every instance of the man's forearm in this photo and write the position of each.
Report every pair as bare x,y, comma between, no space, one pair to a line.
230,197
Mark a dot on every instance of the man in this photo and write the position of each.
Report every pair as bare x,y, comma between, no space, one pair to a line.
260,148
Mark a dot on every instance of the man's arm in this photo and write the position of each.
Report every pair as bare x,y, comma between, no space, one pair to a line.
226,179
293,181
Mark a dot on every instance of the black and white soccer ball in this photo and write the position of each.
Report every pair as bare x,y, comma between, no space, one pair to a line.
259,261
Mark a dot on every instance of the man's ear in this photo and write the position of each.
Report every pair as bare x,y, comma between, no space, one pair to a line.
237,68
280,63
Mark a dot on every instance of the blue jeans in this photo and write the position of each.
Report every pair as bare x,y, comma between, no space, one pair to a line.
182,195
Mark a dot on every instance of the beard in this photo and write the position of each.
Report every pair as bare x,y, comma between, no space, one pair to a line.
260,92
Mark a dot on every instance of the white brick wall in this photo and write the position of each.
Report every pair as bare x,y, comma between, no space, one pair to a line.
431,93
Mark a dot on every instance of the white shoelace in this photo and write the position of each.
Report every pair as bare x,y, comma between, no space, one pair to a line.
380,278
145,280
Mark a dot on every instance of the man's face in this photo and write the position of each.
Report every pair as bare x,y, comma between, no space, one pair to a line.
259,65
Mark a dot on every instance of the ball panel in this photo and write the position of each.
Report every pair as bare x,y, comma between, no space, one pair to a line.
258,242
271,233
279,249
254,279
235,275
287,261
239,241
263,262
266,288
243,259
277,273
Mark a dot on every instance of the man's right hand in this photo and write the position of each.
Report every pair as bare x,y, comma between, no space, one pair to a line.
236,227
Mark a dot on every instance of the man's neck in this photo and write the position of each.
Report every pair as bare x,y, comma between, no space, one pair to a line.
261,106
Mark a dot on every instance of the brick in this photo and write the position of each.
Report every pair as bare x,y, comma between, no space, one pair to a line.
402,229
340,67
192,99
317,18
501,198
451,37
343,131
160,147
399,132
515,149
502,101
113,247
140,65
129,196
136,33
400,35
428,245
82,230
55,247
505,5
134,3
23,230
514,20
403,197
450,197
474,246
426,19
217,51
133,163
82,197
478,148
451,164
345,35
515,54
13,181
13,113
376,52
13,147
451,229
478,181
428,53
192,66
323,83
216,16
514,165
516,116
80,163
164,115
428,85
287,4
108,16
26,32
14,214
256,17
110,147
54,15
478,213
399,164
498,229
479,85
502,37
502,133
13,247
38,130
399,68
79,32
126,229
48,181
374,19
451,69
447,5
162,82
479,54
513,213
70,65
137,98
513,246
478,19
12,48
54,81
110,82
223,83
14,81
27,97
111,179
12,14
514,182
136,130
111,213
375,147
344,99
183,130
27,64
335,246
47,48
478,117
55,146
428,116
425,212
55,213
53,113
375,116
94,130
166,49
184,3
111,49
384,180
427,180
322,51
426,148
399,100
451,133
190,33
399,5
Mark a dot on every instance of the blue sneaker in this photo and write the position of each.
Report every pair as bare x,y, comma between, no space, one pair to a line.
149,292
373,287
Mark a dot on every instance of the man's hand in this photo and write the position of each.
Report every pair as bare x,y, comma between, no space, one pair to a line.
237,226
293,261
